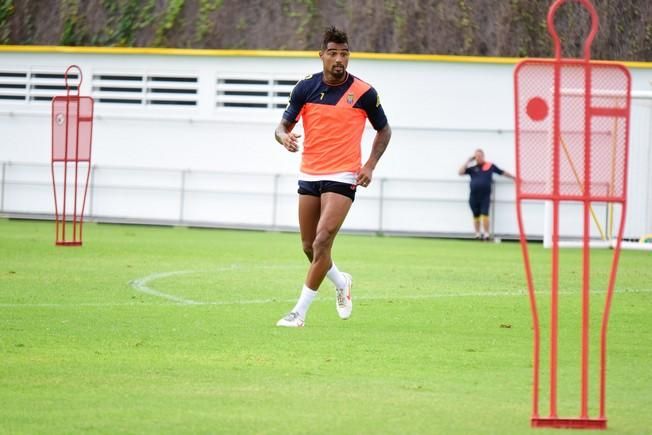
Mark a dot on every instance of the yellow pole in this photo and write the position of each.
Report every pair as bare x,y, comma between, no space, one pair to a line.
614,141
579,183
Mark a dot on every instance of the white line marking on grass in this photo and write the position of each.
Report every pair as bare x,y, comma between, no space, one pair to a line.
145,289
85,304
140,285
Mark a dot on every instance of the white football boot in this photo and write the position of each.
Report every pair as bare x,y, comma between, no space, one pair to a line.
292,320
343,301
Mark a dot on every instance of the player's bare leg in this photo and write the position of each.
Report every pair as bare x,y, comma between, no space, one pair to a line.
334,208
476,226
309,213
319,220
485,227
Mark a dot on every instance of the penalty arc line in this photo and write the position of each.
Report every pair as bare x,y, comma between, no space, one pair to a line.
140,285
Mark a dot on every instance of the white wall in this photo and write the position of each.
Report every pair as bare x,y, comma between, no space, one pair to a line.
440,110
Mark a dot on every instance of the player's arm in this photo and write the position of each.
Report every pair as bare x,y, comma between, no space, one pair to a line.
370,103
499,171
462,170
283,132
377,150
286,137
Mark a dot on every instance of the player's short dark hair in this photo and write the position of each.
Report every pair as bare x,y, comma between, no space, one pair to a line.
333,34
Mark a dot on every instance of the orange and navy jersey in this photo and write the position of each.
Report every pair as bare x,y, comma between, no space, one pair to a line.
334,118
482,176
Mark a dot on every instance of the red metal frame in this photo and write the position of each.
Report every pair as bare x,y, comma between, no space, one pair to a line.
537,111
72,132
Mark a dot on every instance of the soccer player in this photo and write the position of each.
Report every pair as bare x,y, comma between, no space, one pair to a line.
334,106
481,178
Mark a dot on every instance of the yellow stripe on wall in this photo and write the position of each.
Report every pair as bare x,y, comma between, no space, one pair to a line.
267,53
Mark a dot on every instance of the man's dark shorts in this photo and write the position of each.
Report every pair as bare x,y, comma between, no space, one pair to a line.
316,188
479,202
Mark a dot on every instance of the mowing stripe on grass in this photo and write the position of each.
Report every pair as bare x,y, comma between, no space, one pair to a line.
322,299
178,301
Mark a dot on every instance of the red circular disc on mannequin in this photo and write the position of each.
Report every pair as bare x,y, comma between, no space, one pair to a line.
537,109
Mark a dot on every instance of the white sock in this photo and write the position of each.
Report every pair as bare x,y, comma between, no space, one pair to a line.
336,277
307,295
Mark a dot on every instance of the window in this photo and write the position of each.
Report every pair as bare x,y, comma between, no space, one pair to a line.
33,86
151,90
253,92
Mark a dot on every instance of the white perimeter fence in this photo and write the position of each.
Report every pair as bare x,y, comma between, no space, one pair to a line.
437,207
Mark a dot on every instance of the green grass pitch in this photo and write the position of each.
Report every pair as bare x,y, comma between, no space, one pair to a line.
171,330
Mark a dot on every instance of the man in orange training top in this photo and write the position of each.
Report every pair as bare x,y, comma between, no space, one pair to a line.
334,106
481,174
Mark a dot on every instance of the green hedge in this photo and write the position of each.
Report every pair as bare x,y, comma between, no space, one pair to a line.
464,27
